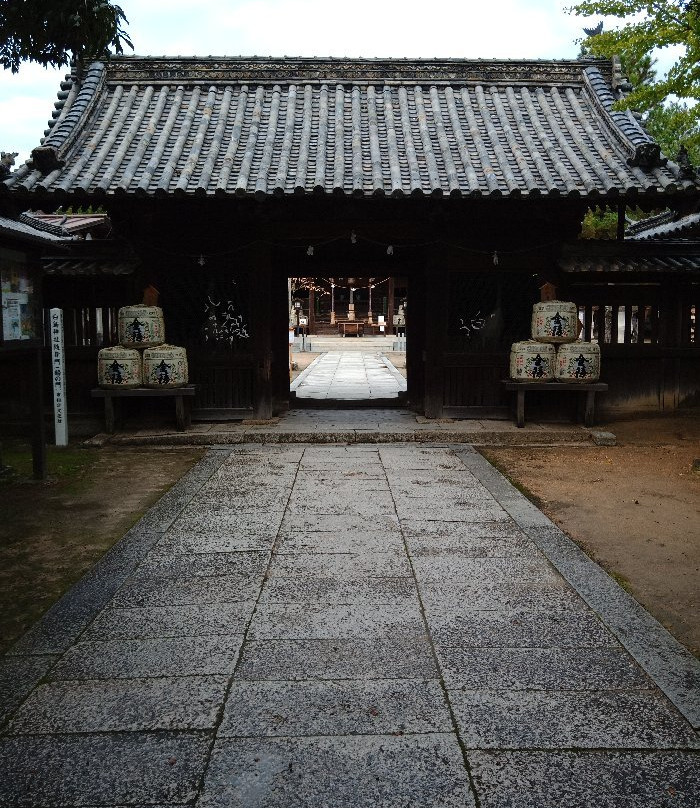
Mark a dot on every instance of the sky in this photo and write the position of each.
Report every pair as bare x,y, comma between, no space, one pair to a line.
534,29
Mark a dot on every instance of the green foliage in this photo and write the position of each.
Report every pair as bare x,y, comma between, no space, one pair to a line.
648,25
599,224
52,32
672,124
602,223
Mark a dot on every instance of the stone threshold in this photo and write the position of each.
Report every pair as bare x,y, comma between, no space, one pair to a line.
577,436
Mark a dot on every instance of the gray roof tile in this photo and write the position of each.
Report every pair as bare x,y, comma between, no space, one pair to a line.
255,127
665,226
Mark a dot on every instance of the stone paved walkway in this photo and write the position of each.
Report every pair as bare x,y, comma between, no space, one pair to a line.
349,376
348,626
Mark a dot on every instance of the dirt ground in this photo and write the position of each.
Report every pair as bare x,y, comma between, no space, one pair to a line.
53,531
634,508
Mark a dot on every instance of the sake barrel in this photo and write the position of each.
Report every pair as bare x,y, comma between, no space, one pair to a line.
555,321
141,326
119,367
532,361
165,366
578,362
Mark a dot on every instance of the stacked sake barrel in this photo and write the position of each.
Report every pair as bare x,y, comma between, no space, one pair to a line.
555,352
142,358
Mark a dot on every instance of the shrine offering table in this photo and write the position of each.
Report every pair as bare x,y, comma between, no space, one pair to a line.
112,407
351,327
586,410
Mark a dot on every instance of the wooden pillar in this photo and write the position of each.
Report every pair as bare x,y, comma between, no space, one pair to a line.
38,423
390,306
415,339
262,326
280,342
436,299
312,312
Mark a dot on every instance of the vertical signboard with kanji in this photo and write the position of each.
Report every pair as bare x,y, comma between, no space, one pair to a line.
58,374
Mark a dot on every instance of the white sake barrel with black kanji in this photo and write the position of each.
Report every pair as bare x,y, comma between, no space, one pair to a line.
578,362
532,361
165,366
141,326
119,367
555,321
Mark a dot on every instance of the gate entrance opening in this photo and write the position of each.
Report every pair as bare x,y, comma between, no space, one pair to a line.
348,341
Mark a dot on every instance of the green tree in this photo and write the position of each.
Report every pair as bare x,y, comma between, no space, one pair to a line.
647,25
52,32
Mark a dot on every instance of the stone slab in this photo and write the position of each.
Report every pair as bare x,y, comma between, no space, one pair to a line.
356,658
89,770
467,547
456,567
342,525
126,705
179,540
418,771
313,620
340,541
602,779
133,659
144,590
193,620
502,526
341,504
671,665
565,720
202,565
520,629
68,617
340,565
570,669
18,675
434,510
446,602
219,513
305,590
370,707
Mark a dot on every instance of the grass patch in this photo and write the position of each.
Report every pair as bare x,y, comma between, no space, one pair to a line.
52,531
64,463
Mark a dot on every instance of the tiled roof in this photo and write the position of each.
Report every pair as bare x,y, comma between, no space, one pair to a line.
635,257
76,265
22,230
665,226
255,127
67,224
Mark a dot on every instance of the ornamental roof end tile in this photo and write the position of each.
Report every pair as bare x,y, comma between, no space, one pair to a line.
262,126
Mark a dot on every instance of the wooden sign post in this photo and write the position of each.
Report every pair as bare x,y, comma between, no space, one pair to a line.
58,375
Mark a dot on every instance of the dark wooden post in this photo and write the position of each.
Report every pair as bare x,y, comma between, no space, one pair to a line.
671,338
280,341
38,422
415,339
436,297
390,307
261,321
312,312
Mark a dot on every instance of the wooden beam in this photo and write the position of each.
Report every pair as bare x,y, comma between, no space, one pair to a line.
436,301
260,291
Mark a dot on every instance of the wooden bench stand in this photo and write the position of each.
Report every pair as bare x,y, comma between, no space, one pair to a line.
113,405
356,327
585,412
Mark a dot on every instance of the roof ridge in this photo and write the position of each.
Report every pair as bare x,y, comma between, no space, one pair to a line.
642,149
360,70
48,156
